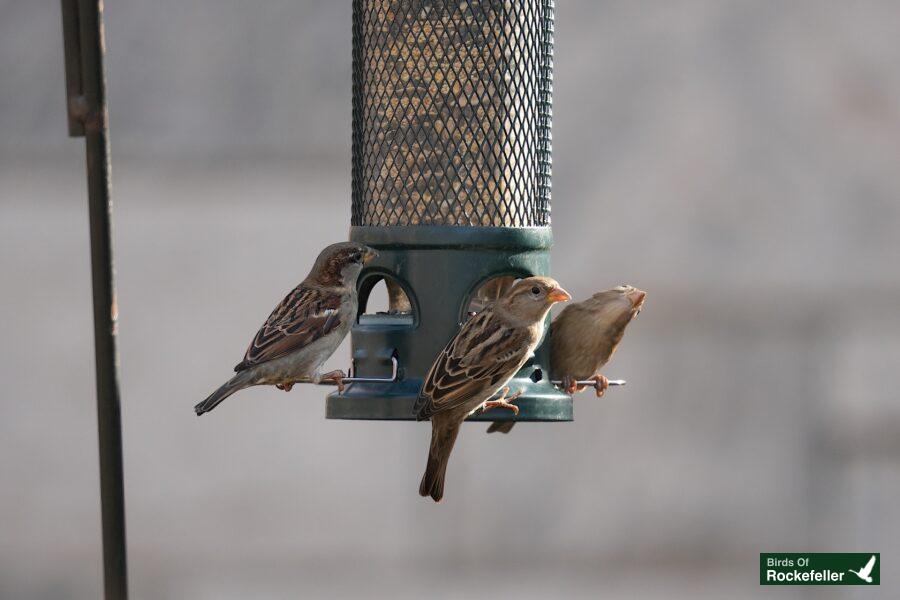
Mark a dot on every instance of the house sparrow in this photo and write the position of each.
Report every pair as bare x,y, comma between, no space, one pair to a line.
478,362
304,329
584,337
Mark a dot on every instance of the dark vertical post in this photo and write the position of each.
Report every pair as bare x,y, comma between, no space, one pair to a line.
88,117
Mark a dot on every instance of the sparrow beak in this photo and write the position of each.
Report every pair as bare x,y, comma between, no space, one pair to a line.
369,255
559,295
637,298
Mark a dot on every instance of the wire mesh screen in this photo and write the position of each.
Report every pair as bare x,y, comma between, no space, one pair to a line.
451,112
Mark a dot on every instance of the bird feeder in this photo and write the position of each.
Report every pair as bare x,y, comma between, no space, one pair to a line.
450,183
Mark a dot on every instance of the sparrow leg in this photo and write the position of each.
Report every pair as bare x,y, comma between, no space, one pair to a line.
601,383
569,384
337,377
503,402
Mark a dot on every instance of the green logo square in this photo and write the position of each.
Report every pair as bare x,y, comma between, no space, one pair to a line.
811,568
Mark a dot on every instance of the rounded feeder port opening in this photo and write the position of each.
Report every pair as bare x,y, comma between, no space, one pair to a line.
384,299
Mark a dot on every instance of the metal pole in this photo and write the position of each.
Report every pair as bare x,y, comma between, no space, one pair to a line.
88,117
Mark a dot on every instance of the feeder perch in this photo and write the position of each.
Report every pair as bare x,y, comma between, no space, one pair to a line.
451,184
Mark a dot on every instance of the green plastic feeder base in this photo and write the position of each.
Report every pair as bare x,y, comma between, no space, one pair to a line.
439,268
540,401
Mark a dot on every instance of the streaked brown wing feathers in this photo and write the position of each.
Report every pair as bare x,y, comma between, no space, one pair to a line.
305,315
481,356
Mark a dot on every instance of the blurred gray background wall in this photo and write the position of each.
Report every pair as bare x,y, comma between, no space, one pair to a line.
740,160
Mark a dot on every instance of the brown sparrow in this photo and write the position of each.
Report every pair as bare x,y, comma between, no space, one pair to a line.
304,329
584,337
478,362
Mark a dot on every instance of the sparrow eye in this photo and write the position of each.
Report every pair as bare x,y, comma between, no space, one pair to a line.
535,291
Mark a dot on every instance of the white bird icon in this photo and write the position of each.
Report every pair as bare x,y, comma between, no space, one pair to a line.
865,572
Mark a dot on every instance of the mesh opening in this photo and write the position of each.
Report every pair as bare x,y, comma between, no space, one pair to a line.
452,112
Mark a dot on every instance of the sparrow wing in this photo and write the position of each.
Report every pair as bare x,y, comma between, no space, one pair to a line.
483,354
304,316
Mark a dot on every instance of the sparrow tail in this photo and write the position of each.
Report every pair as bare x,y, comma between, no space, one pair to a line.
238,382
442,439
501,426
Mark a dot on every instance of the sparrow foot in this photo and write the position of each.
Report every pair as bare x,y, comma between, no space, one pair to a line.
503,402
601,383
337,377
285,386
569,384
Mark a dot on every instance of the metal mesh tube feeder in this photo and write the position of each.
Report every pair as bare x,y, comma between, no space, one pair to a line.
450,183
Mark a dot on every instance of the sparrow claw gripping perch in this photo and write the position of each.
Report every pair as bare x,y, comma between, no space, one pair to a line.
601,383
503,402
569,385
337,377
341,380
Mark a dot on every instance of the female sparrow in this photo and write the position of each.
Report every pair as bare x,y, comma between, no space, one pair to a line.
304,329
584,337
481,358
